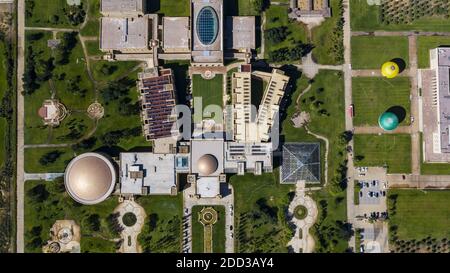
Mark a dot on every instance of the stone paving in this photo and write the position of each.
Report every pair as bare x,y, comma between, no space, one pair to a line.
302,242
129,234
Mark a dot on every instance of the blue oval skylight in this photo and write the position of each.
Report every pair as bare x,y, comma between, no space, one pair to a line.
207,26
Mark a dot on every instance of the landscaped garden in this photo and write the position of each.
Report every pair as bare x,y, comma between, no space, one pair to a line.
421,15
373,96
300,212
284,41
328,37
393,151
218,231
419,220
46,202
162,229
370,52
260,222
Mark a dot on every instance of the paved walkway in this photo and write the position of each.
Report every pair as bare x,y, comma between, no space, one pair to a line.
189,201
20,126
302,242
375,130
42,176
415,130
418,181
399,33
129,234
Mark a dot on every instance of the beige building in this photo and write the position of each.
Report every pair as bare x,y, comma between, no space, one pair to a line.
247,128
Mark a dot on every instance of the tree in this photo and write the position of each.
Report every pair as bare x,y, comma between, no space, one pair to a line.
38,193
277,35
50,158
75,14
93,222
260,5
85,144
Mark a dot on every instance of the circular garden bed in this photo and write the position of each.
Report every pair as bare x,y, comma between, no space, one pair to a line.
300,212
129,219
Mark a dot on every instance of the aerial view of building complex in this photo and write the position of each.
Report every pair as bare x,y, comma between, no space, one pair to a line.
217,126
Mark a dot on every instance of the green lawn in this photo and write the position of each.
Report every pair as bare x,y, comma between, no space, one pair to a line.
322,37
32,156
93,48
371,52
218,231
170,7
92,26
49,202
330,232
162,230
277,16
391,150
419,214
260,222
118,69
367,18
424,44
373,96
35,132
44,10
211,91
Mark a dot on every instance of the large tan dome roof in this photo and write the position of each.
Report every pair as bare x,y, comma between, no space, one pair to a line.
207,164
90,178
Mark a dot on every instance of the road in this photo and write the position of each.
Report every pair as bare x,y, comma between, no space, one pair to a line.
348,119
20,125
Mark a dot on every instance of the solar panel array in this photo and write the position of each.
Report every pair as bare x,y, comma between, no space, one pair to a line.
158,101
301,162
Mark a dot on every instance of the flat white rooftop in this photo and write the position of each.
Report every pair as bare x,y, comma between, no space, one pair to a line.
208,187
177,37
124,33
147,173
122,6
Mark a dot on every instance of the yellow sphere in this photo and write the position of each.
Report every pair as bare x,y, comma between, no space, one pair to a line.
390,70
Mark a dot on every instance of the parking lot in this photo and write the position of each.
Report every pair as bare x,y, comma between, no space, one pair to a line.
371,192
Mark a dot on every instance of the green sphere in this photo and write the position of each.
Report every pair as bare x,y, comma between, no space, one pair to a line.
388,121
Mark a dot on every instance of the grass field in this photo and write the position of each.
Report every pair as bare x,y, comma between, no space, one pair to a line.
277,16
57,205
44,10
162,229
35,132
394,151
321,37
92,26
373,96
371,52
170,7
211,92
424,44
419,214
32,156
250,194
218,231
365,17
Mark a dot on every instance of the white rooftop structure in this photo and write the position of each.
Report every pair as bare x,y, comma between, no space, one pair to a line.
148,174
243,36
248,157
130,35
176,35
208,187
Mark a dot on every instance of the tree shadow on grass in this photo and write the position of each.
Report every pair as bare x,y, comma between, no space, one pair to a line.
399,111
